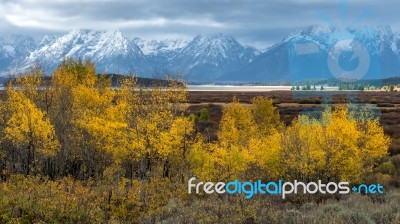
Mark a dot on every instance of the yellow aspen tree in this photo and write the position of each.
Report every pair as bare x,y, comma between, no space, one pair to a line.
231,153
265,153
155,113
249,144
30,83
343,161
373,142
3,119
266,116
265,145
201,160
343,149
68,76
302,156
101,119
174,145
237,125
28,127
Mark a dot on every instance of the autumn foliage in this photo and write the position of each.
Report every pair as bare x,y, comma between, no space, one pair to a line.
123,153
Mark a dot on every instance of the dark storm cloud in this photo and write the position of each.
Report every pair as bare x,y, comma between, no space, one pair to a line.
251,21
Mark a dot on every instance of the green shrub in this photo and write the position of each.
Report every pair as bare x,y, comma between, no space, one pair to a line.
204,115
192,117
387,168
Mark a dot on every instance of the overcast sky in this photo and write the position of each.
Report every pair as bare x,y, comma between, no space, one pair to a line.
254,22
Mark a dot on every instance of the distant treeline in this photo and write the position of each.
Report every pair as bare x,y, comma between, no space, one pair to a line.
232,83
351,84
115,79
342,84
142,82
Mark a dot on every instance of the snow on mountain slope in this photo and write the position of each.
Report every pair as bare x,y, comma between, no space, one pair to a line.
207,57
275,64
14,49
160,53
111,51
162,46
203,58
215,57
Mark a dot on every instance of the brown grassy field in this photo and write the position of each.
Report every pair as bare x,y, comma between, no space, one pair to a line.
290,103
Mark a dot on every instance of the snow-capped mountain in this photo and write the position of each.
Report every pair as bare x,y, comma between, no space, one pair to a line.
156,47
160,53
111,51
202,59
14,49
215,57
209,57
283,62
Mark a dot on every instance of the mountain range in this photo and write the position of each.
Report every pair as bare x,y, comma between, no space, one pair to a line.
207,58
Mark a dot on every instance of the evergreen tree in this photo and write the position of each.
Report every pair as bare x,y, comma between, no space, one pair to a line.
204,115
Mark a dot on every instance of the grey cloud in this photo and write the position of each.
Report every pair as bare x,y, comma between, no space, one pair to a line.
252,21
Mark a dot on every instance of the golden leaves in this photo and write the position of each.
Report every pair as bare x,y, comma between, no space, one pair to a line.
28,125
251,141
342,149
